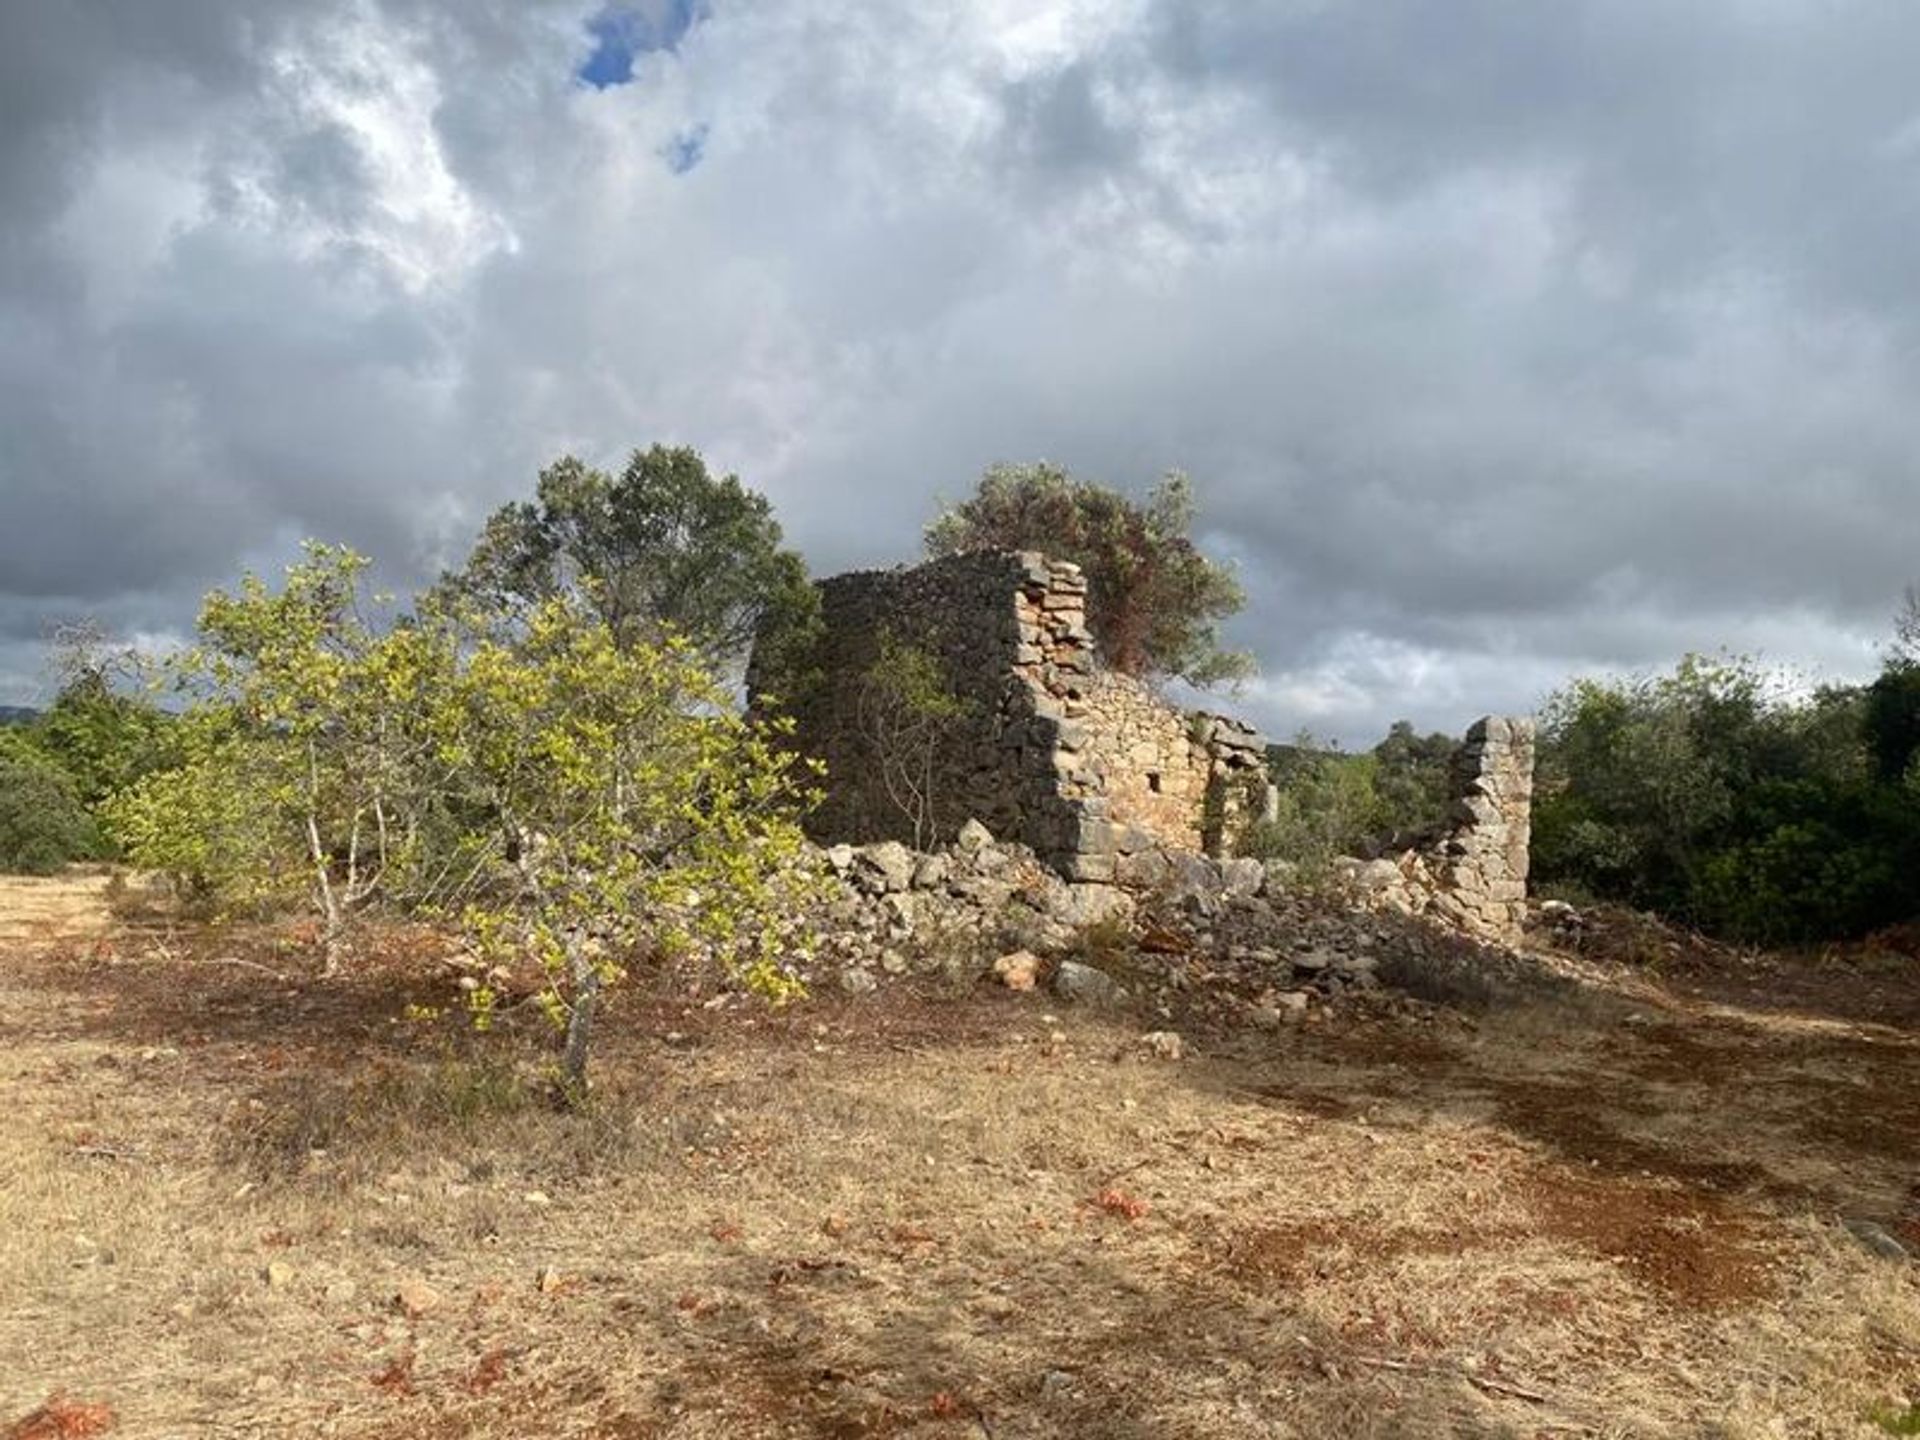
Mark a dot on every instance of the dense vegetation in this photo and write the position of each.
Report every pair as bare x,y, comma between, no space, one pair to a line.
1720,797
1333,803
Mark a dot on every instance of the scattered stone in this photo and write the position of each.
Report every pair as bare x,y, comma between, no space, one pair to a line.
1877,1238
1078,906
1242,877
537,1197
886,866
279,1274
893,962
414,1297
549,1280
932,871
1165,1044
856,981
340,1292
973,838
1019,970
1085,985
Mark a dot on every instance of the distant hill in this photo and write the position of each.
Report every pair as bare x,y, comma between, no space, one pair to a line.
17,715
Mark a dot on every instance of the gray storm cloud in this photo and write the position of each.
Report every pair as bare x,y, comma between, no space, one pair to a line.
1502,341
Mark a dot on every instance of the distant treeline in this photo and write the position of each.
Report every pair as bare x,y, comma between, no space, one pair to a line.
1717,795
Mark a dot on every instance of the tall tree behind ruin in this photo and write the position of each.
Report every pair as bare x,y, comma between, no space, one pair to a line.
1156,601
664,546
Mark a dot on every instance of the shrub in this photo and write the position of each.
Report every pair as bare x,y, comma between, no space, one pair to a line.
43,825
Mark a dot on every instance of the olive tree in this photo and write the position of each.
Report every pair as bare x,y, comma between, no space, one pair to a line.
663,547
1154,599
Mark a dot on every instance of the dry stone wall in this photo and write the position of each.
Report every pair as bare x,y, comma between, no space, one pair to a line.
1090,768
1474,874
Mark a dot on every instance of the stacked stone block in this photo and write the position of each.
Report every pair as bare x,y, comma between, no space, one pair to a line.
1090,768
1473,875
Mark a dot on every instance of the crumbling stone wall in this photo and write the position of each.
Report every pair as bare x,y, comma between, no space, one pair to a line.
1473,875
1087,767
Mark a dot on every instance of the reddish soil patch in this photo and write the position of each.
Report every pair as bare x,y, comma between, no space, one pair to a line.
1573,1118
1297,1253
1694,1250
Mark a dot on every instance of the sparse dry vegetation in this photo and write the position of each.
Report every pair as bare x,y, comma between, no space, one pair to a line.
237,1200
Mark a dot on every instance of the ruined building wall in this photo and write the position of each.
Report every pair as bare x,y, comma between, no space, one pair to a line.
1473,875
994,762
1086,766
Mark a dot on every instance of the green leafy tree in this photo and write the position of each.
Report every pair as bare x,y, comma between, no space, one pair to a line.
1155,601
567,798
1412,780
1327,805
300,749
1718,796
630,805
43,824
664,547
103,737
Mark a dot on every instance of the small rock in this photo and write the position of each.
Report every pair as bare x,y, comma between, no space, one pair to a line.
341,1291
414,1297
1242,877
1312,960
885,867
893,962
1877,1238
932,872
549,1280
856,981
973,838
840,857
1165,1044
1085,985
1089,904
279,1274
537,1197
1018,970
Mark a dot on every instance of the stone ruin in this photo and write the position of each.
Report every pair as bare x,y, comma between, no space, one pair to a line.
1101,778
1473,873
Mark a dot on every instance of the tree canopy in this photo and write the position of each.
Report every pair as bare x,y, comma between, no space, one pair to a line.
662,547
1155,601
564,798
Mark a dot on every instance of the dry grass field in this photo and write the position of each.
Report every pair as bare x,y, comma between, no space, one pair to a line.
236,1201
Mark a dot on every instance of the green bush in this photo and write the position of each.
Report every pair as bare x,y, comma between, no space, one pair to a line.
43,825
1718,797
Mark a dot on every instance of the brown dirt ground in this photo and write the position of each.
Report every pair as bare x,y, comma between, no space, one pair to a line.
933,1214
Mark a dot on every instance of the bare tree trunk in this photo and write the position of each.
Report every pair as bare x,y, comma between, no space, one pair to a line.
330,949
586,997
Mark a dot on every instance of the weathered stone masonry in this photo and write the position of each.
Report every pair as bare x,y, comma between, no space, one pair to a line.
1104,780
1474,874
1090,768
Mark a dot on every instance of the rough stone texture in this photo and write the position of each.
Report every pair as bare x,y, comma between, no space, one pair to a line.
1091,769
1474,874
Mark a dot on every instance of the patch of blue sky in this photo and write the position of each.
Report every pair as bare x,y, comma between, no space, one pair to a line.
684,151
623,33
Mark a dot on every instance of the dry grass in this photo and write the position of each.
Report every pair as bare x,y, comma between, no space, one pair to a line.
928,1216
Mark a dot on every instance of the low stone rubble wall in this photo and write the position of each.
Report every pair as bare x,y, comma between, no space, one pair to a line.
1238,940
1473,875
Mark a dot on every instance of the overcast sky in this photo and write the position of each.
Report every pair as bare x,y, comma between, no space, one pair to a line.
1503,340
